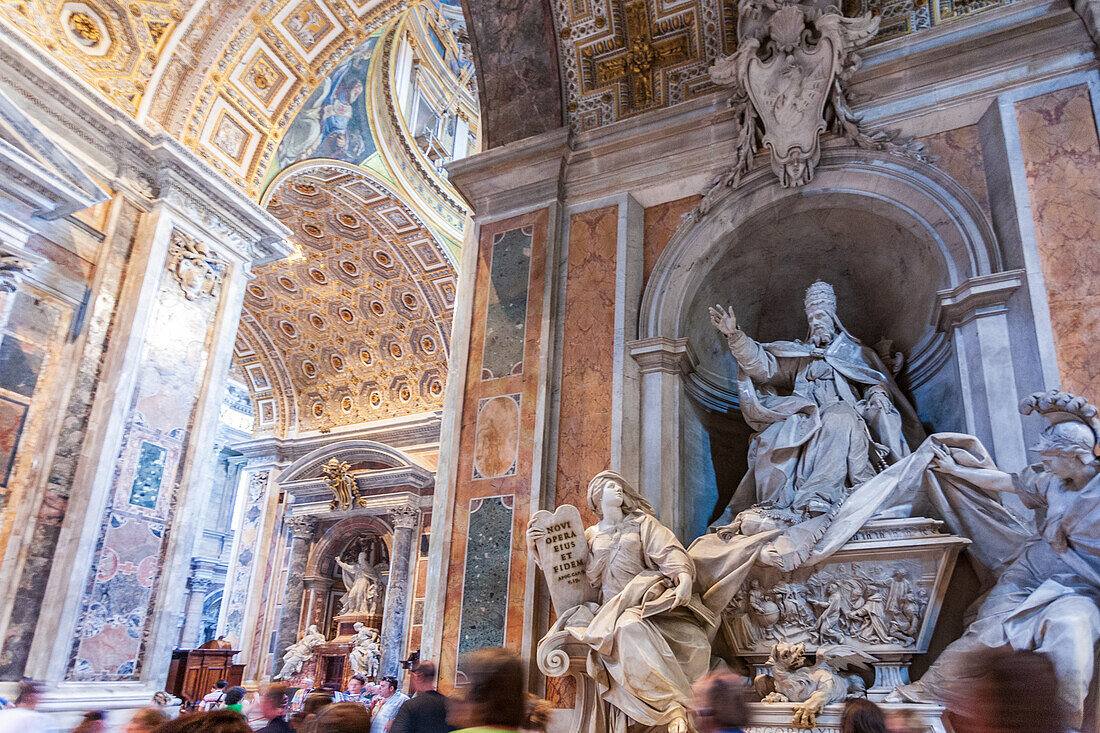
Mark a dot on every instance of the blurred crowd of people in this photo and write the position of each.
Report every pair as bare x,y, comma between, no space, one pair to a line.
1013,692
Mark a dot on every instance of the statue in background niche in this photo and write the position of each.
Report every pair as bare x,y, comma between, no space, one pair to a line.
825,411
298,653
647,636
364,584
365,655
1048,578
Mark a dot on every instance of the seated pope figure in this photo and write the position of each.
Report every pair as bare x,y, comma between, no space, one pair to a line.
825,411
1045,598
647,637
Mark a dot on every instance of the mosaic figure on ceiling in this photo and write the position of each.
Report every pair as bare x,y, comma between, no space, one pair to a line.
333,121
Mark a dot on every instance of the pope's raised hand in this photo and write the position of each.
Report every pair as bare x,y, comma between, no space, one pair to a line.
724,320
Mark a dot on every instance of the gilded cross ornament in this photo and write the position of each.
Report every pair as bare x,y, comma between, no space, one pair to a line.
640,56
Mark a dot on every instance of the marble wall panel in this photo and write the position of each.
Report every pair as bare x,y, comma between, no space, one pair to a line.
12,417
660,224
251,528
502,354
496,438
587,359
959,154
524,382
485,582
1061,152
41,549
149,467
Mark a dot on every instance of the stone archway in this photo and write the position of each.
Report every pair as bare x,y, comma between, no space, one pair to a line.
913,258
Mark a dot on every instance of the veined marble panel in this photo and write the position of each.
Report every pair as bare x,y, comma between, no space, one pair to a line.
483,621
1062,156
506,315
587,359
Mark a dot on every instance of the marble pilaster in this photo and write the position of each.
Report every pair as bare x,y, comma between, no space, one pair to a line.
405,521
662,361
301,531
315,590
197,588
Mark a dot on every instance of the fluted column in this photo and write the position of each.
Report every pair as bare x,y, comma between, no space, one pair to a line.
192,617
301,531
405,520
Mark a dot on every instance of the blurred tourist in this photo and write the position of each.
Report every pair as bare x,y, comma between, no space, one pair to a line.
426,712
862,716
386,705
299,699
538,712
343,717
718,703
215,721
216,697
903,721
493,696
1012,692
272,707
145,720
94,722
355,691
233,699
23,718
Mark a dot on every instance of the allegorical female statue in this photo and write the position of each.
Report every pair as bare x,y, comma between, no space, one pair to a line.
647,635
1048,577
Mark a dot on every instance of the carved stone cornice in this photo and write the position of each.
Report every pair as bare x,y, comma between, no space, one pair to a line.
976,297
662,354
317,583
405,517
147,165
302,528
12,270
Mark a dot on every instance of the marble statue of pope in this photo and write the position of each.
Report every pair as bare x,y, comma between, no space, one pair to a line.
825,411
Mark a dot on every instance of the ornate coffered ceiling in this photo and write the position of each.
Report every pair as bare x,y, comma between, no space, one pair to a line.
620,58
357,325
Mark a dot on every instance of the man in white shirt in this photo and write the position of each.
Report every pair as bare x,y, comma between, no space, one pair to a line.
216,697
23,718
386,705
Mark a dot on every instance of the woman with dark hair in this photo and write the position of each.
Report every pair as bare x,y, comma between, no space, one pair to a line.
233,698
94,722
648,635
343,717
862,716
216,721
494,697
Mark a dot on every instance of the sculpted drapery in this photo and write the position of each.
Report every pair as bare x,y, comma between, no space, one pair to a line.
826,412
647,638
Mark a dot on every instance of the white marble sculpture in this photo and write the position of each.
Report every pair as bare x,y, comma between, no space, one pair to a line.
646,638
365,654
1048,578
298,653
364,584
825,411
812,687
789,77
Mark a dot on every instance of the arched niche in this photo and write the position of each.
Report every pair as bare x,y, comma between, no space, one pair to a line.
912,258
339,537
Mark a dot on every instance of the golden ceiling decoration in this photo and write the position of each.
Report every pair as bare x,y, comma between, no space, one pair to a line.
361,320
